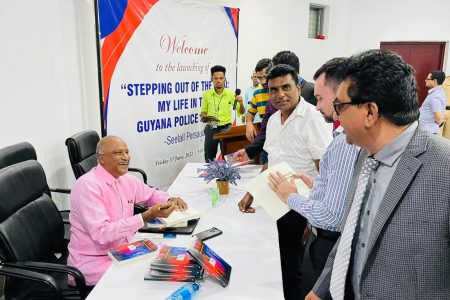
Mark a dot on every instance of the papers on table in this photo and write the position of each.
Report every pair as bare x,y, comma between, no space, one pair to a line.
264,195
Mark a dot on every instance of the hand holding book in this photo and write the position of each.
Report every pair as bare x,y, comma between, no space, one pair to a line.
284,185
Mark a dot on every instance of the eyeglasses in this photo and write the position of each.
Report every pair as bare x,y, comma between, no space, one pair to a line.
429,78
339,106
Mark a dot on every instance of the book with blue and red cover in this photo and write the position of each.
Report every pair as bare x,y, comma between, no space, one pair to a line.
174,259
133,251
213,264
174,264
180,276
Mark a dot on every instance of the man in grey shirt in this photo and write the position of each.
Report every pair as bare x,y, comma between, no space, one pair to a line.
395,243
432,111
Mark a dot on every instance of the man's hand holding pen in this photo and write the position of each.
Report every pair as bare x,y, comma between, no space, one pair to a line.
163,210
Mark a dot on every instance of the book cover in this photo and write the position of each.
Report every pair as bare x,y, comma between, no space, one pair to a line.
133,252
232,158
213,264
178,216
156,275
175,258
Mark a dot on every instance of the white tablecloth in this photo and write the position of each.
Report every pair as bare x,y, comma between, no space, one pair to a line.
249,243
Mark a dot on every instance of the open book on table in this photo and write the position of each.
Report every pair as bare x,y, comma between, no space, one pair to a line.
178,216
264,195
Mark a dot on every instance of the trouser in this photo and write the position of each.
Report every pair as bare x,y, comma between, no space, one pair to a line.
317,250
290,233
264,157
210,143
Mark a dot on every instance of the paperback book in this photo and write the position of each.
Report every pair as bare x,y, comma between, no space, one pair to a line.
213,264
174,264
178,216
175,258
155,223
157,275
232,159
133,252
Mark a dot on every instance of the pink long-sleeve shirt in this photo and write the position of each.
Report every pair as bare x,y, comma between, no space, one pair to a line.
101,217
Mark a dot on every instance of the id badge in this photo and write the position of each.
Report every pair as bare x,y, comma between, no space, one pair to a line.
214,124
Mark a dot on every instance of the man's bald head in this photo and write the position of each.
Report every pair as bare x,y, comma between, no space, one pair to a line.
113,155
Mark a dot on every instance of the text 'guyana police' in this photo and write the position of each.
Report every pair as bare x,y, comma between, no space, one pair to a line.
164,123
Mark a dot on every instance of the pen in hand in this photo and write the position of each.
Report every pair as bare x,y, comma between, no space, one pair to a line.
165,207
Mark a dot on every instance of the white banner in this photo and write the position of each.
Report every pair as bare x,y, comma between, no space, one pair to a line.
156,66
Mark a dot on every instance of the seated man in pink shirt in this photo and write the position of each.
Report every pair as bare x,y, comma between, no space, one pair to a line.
101,212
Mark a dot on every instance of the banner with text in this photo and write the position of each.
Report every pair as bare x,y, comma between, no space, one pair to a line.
156,59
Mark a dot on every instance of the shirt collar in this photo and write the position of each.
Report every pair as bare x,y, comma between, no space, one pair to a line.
434,89
392,151
105,175
299,111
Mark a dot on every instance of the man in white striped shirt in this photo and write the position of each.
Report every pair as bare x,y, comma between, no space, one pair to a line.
324,207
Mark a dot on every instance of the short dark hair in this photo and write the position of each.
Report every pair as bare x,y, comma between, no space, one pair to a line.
218,69
282,70
333,70
383,77
263,64
287,57
438,75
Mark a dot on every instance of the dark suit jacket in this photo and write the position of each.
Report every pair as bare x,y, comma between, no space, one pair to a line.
408,254
308,92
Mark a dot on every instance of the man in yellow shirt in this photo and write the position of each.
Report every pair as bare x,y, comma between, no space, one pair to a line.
217,105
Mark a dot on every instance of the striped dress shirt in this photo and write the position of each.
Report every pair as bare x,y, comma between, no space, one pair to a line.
325,205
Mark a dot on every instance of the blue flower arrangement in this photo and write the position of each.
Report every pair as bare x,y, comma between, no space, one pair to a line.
220,170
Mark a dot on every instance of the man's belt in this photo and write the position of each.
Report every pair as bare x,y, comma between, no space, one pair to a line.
447,107
223,126
324,234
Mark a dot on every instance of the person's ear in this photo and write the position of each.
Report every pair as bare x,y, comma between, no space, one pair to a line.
372,113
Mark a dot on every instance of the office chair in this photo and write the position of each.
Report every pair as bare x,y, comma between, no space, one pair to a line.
82,154
31,232
20,152
82,147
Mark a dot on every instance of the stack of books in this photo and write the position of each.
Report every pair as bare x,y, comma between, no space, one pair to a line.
174,264
133,252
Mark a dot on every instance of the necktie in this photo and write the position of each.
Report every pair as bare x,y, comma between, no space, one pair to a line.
342,259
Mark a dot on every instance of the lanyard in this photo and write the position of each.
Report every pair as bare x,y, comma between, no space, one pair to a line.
216,108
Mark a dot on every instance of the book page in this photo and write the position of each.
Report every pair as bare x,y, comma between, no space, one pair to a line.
263,194
178,216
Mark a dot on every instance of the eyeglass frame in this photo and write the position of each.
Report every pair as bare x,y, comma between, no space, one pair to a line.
429,79
341,105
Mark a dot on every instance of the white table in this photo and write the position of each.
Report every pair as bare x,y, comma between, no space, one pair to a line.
249,243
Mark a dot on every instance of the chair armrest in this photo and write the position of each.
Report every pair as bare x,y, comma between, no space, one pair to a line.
139,209
144,176
8,269
80,282
61,191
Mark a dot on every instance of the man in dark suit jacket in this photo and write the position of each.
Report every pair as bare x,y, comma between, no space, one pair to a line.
400,248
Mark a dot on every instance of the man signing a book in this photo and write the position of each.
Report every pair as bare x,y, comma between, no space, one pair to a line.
101,209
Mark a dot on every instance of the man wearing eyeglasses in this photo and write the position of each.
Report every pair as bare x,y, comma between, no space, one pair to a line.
324,206
432,111
395,242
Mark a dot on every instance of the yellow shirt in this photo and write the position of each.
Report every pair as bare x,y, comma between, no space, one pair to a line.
220,107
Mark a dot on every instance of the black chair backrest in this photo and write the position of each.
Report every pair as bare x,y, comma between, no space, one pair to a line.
81,148
31,228
16,153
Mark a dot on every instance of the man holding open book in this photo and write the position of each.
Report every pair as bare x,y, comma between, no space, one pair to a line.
101,214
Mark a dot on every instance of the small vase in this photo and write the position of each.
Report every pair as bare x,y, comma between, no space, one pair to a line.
223,186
